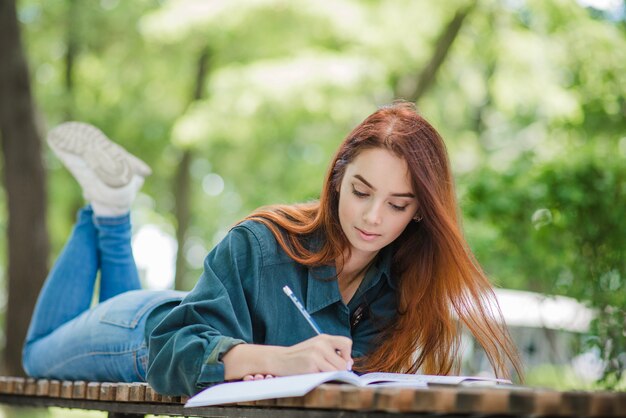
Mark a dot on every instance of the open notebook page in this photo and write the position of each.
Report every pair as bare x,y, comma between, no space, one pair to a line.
278,387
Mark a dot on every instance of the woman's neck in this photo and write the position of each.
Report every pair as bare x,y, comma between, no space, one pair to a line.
352,273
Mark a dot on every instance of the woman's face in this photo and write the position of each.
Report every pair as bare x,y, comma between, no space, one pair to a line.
376,200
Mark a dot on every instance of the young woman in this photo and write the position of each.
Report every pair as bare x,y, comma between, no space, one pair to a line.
379,262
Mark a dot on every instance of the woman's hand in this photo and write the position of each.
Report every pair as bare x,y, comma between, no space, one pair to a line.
323,353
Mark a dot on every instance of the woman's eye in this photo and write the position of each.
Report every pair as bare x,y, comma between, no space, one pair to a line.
358,193
398,208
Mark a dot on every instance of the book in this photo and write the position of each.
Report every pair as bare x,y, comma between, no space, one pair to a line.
300,385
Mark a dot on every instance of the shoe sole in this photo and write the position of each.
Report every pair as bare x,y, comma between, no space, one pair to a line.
109,161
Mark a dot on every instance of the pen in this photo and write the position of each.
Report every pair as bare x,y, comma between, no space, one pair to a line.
303,311
307,316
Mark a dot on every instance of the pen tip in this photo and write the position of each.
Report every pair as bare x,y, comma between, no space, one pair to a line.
287,290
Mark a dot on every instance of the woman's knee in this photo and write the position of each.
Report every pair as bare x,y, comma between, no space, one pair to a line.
28,363
35,362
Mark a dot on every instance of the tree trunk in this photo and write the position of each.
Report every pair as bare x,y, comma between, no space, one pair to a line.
72,22
182,182
182,214
414,90
24,181
71,38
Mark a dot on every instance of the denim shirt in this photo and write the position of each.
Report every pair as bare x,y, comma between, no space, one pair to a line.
239,299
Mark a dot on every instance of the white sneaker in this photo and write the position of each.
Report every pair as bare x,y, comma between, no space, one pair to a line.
109,176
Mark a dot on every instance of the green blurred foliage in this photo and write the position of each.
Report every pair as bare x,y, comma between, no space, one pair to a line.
559,228
558,377
531,101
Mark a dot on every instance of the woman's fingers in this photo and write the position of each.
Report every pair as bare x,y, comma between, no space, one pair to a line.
337,351
336,360
343,348
257,376
322,353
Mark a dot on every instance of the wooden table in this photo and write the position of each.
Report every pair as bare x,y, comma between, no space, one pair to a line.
328,400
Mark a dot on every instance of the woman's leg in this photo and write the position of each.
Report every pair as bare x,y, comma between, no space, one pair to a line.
118,271
105,343
68,290
66,339
110,178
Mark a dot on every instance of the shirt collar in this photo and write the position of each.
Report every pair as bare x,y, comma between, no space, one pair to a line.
322,288
385,258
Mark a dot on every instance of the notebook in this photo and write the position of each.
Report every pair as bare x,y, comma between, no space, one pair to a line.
300,385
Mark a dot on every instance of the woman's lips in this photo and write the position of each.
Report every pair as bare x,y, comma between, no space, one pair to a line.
366,236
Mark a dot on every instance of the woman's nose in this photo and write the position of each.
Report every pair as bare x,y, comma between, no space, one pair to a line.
372,214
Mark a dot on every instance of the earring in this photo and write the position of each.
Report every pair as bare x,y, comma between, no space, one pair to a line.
417,218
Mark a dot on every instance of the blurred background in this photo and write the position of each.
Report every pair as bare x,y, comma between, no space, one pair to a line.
238,104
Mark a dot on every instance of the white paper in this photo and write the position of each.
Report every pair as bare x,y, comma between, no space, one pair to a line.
424,379
300,385
277,387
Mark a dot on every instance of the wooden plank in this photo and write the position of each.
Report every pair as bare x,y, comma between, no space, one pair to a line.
325,396
394,399
30,386
93,391
382,399
66,389
576,403
247,403
468,400
355,398
18,385
151,395
6,384
483,400
547,402
265,402
108,391
122,392
434,399
54,389
521,401
137,392
340,399
601,406
291,402
620,403
178,410
43,387
170,399
604,404
495,401
79,389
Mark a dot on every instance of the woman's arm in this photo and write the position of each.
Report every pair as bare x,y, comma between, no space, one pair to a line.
323,353
202,341
187,346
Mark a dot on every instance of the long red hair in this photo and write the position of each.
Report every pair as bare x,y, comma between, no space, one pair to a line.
441,285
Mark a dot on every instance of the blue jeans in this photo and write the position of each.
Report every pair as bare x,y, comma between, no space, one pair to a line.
69,340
